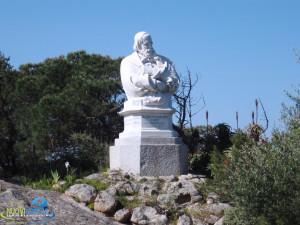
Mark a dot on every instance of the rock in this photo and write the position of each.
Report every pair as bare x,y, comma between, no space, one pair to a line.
11,198
211,219
220,221
105,203
172,187
215,197
115,175
140,179
56,187
112,191
94,176
82,203
147,215
216,208
166,200
188,187
149,188
127,176
184,191
191,177
67,210
207,214
198,222
209,201
171,178
82,192
184,220
123,215
126,187
183,197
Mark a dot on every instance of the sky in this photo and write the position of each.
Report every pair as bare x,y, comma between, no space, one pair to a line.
241,50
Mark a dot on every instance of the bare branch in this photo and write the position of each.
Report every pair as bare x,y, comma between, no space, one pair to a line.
265,114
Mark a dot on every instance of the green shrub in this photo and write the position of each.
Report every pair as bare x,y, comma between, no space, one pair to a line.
239,216
264,179
198,162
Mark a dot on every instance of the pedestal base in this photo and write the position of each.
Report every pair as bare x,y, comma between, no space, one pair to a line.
149,146
150,159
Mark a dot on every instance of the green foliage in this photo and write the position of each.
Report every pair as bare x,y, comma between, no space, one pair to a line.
291,114
262,179
239,216
71,176
100,186
91,206
55,177
59,110
198,161
8,132
44,183
202,141
88,152
129,204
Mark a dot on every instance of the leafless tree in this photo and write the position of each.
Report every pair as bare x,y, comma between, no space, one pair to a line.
185,101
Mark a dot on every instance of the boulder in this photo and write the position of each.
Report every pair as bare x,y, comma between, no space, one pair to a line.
67,210
171,178
105,203
11,198
148,215
216,208
115,175
184,192
82,192
149,188
184,220
166,200
211,219
220,221
213,197
126,188
122,215
94,176
112,191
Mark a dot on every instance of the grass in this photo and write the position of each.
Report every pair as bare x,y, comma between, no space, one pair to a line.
44,183
129,204
150,200
91,206
199,214
100,186
172,216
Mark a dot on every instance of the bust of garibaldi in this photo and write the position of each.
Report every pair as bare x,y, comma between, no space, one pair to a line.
147,74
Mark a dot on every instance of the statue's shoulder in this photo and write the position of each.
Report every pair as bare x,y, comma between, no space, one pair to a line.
164,59
132,58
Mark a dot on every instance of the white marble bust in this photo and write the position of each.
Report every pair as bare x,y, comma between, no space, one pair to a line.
147,75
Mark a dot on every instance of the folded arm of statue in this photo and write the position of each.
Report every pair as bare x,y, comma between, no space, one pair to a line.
144,82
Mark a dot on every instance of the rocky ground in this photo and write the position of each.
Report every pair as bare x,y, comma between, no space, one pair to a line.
117,198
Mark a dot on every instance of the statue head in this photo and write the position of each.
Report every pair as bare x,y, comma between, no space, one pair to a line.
143,44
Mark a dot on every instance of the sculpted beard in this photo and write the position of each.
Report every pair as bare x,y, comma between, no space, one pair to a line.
147,52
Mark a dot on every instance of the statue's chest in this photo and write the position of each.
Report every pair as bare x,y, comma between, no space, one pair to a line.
155,68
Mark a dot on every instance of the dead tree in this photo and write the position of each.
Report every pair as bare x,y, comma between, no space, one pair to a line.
185,103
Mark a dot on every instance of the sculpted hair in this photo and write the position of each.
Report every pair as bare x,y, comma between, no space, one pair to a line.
138,40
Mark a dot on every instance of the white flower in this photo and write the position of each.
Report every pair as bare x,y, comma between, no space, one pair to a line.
67,164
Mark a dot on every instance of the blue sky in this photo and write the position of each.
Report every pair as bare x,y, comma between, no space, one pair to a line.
241,50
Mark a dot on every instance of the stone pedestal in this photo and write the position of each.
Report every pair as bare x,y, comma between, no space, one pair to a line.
148,145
